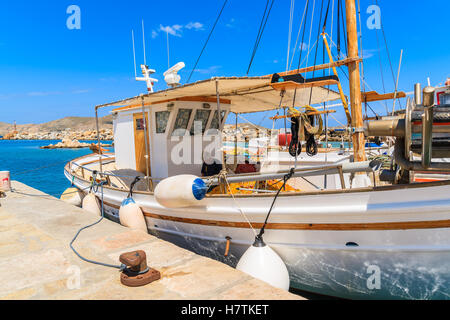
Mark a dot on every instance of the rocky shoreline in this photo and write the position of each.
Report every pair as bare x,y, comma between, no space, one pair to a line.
105,134
68,143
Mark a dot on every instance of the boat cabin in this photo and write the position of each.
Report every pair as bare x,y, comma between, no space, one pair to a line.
178,132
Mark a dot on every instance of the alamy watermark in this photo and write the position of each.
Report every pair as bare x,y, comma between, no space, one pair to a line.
374,19
74,280
73,22
374,280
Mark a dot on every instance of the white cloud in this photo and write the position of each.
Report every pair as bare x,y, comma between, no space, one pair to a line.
194,25
80,91
369,53
177,29
231,23
42,93
174,30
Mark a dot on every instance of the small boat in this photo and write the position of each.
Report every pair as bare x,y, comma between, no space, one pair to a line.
345,228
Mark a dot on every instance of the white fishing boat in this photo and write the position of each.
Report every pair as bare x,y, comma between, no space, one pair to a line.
348,237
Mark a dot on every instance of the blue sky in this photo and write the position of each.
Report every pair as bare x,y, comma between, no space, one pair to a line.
48,71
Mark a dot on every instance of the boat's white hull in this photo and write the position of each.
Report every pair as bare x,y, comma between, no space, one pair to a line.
402,237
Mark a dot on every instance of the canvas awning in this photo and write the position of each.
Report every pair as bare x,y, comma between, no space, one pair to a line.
245,94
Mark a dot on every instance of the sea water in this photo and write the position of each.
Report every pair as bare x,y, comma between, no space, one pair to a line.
42,169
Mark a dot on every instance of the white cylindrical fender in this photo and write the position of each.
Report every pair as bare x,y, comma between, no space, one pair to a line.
261,262
91,204
181,191
73,196
131,216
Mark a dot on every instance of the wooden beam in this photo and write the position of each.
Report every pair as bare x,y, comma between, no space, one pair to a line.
195,99
334,64
291,85
309,114
372,96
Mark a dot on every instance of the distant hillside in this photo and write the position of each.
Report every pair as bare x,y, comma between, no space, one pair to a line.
72,123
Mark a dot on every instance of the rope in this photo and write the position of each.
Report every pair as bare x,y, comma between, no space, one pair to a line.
315,55
224,177
388,54
285,180
260,32
122,266
207,40
136,180
55,195
298,34
43,167
291,18
381,69
362,51
310,30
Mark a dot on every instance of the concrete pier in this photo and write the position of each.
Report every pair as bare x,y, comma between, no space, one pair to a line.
36,261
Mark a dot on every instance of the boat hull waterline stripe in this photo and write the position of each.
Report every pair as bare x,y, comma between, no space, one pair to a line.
435,224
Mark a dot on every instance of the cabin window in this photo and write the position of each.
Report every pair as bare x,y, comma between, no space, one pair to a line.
162,118
444,98
182,121
139,124
215,120
201,116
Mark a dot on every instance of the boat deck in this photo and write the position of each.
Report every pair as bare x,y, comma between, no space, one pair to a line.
36,261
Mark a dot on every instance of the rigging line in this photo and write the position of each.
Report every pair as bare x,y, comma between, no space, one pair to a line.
326,17
312,47
381,69
260,36
207,40
388,53
363,80
310,31
342,125
344,30
291,19
301,51
54,164
338,28
362,52
298,35
260,27
332,25
303,35
315,55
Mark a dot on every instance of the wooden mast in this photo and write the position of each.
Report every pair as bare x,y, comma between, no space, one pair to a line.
355,85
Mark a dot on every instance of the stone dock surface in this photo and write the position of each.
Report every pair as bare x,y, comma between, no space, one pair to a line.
36,261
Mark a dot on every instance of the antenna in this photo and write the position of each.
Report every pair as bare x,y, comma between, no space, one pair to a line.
134,54
146,71
143,40
168,61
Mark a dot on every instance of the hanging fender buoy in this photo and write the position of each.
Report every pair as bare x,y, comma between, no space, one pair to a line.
261,262
91,204
131,216
73,196
181,191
